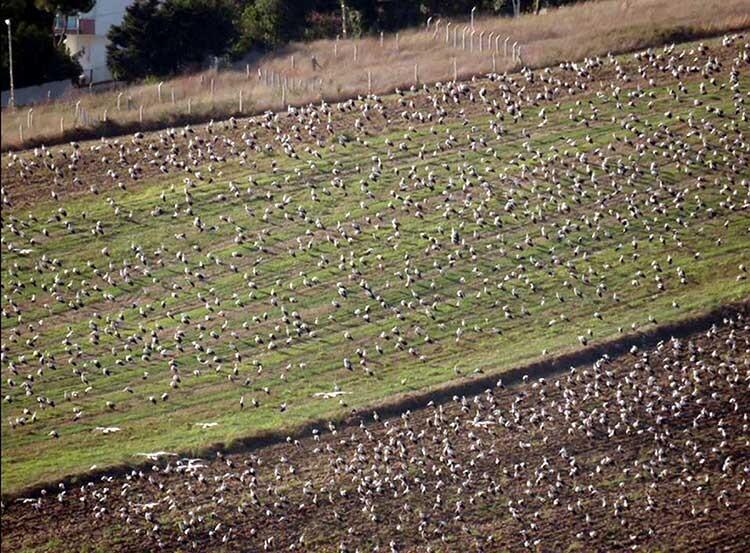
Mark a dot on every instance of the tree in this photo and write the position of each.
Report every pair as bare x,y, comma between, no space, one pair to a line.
271,23
36,57
159,38
133,43
64,8
198,28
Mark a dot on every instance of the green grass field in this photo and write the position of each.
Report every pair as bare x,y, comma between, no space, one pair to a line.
501,249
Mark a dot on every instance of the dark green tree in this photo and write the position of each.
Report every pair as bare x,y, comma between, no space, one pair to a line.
198,28
133,45
36,57
271,23
159,38
64,8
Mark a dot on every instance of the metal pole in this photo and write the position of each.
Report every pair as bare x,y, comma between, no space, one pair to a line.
12,100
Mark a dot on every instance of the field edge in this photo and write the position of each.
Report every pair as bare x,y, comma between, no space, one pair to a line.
395,405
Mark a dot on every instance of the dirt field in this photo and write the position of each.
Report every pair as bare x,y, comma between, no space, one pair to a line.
259,274
649,451
545,39
28,179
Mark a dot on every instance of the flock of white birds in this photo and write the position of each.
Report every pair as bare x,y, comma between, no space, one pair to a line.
301,244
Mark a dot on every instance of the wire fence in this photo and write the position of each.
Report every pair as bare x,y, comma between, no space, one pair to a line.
334,69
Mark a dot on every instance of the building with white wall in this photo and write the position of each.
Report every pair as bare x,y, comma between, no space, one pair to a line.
86,34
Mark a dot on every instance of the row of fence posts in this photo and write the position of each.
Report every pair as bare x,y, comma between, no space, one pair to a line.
494,40
286,85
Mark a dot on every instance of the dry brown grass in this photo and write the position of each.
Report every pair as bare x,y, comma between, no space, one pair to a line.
567,33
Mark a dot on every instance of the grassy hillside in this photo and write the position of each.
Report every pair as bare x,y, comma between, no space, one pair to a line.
287,75
415,239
